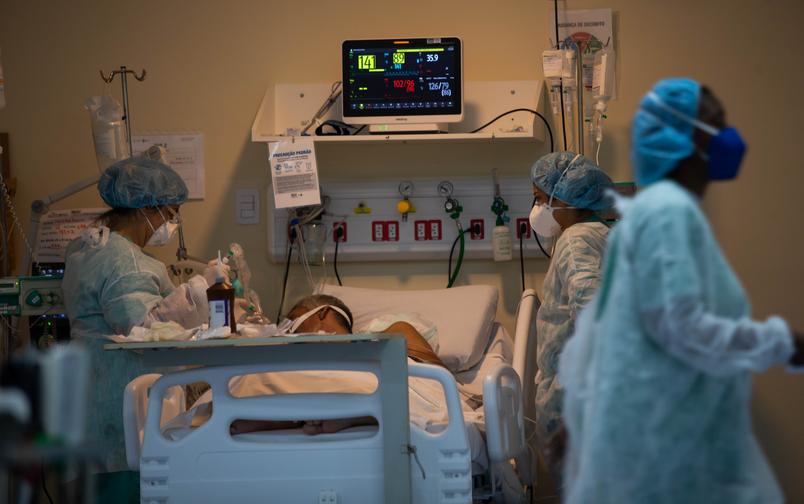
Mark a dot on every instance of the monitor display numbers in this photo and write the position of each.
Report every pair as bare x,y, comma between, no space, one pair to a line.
366,62
442,86
417,75
409,85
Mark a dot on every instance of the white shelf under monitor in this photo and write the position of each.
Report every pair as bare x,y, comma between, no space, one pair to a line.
425,137
288,107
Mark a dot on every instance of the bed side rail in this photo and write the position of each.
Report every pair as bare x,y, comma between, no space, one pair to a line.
281,406
505,423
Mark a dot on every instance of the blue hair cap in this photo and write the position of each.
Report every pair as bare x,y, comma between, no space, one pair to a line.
660,139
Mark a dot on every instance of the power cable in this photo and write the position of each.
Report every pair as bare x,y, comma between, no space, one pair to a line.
287,270
44,485
13,213
536,236
544,120
561,81
338,235
453,275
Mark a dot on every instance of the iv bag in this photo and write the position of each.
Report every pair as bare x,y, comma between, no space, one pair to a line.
603,78
108,130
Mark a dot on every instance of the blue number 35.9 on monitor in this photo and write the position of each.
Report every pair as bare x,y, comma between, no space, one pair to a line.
403,85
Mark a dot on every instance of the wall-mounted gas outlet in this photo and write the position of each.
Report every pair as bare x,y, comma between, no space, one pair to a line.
476,229
523,227
339,231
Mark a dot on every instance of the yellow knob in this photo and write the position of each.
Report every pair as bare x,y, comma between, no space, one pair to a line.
404,206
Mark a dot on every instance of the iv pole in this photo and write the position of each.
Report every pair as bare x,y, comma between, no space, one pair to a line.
42,206
123,73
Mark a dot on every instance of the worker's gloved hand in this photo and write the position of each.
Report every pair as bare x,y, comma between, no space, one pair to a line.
241,310
211,272
247,312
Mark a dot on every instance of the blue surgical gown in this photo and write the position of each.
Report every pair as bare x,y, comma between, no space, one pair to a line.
657,374
570,282
110,286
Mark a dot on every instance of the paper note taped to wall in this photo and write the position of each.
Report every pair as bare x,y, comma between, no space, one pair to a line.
294,173
58,228
185,154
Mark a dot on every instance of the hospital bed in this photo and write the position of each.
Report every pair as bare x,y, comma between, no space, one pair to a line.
472,456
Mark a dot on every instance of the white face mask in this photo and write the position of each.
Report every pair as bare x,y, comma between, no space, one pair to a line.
542,221
164,233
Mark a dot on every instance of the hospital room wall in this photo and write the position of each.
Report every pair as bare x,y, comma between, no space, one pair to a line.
209,64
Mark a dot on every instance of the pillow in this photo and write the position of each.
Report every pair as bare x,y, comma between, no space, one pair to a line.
464,316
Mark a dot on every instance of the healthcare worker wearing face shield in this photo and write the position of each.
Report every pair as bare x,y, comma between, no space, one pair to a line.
657,376
569,191
110,286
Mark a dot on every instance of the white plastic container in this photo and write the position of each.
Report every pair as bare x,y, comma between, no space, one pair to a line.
501,244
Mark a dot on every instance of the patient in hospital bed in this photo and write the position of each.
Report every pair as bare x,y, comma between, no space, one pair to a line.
328,314
322,313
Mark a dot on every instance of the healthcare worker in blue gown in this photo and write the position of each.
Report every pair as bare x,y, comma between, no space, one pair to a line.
110,286
569,192
657,376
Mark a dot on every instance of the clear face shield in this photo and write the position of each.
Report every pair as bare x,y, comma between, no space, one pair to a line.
164,233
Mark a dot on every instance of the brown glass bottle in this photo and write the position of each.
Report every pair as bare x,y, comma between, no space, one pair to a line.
221,298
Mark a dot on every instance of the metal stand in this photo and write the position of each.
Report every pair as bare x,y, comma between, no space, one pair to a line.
41,206
123,72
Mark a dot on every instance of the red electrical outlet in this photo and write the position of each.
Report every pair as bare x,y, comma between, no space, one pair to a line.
392,230
476,225
435,229
421,230
378,231
523,224
335,227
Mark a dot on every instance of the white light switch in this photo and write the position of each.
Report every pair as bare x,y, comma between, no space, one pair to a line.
247,206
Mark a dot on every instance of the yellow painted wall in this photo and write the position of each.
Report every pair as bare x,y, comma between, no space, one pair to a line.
209,64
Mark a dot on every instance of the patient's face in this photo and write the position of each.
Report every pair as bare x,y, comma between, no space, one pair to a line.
326,320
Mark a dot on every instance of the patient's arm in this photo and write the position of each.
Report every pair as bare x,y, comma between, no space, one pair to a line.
245,426
313,427
418,348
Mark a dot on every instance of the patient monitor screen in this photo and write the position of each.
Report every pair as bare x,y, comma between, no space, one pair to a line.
410,77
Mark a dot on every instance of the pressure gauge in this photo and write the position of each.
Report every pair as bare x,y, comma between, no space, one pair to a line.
406,188
445,189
